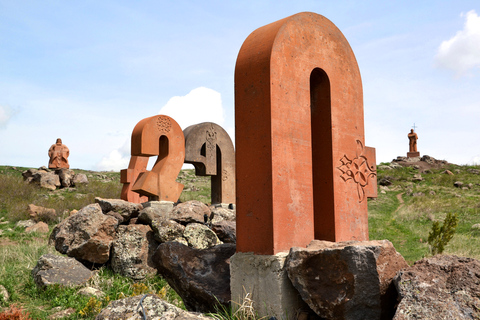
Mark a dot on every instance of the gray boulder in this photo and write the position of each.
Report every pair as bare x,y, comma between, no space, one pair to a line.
146,307
440,287
190,211
40,227
200,277
52,269
86,235
225,231
200,236
458,184
25,223
45,179
132,250
91,292
126,209
4,294
346,280
66,177
219,213
79,178
168,230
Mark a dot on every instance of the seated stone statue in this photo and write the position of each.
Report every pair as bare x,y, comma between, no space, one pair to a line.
58,154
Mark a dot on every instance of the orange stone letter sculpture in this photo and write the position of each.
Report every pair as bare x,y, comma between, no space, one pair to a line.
303,170
209,148
58,154
155,136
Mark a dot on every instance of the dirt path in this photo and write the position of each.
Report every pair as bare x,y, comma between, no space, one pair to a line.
400,199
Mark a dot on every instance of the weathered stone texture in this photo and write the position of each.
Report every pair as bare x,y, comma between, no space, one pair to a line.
66,176
200,277
190,211
168,230
39,213
133,248
41,227
155,309
200,236
126,209
86,235
346,280
440,287
226,231
52,269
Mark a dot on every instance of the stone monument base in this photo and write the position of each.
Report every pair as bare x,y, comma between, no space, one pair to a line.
413,154
263,279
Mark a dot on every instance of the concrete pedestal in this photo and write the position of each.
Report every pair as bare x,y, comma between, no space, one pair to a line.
413,154
264,279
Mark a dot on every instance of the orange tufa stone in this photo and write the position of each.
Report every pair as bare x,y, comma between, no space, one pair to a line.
58,154
302,169
159,136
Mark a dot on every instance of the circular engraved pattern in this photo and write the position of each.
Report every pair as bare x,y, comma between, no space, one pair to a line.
164,124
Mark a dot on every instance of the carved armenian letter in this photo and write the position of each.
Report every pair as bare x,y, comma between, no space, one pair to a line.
209,148
303,172
155,136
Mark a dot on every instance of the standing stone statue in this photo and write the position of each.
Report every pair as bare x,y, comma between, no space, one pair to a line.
412,137
58,154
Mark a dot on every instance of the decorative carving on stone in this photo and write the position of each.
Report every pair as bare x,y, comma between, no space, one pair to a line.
58,154
154,136
211,138
209,148
359,170
164,124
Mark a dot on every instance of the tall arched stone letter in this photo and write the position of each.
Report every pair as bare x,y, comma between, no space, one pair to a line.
302,169
155,136
209,148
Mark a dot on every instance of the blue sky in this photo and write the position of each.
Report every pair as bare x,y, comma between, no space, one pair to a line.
88,71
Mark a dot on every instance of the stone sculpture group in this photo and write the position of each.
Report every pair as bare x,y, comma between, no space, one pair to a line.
300,177
205,145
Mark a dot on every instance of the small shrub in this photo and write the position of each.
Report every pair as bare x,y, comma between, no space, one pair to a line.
92,308
439,237
14,313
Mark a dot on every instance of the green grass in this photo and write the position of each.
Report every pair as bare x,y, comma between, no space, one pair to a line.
19,251
408,227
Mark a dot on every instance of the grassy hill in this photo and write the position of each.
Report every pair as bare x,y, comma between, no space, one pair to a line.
406,207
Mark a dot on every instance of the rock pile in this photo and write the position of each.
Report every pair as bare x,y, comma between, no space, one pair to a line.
190,245
424,163
126,234
59,178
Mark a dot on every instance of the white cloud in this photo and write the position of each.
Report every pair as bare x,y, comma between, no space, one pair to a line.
462,52
475,161
199,105
5,114
114,161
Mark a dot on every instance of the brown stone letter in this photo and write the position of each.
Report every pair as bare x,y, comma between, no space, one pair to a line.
209,148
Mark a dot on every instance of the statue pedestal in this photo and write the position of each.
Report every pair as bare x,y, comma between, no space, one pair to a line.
263,280
413,154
